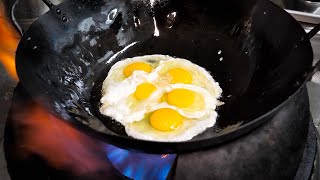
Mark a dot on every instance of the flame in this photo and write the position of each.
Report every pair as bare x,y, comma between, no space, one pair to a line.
9,39
63,147
59,144
137,165
164,155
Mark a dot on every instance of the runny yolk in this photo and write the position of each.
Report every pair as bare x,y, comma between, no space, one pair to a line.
165,119
180,97
144,90
180,76
137,66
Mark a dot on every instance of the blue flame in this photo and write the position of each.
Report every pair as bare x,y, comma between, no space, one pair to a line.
140,165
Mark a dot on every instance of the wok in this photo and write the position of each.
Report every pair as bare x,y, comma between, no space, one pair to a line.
65,55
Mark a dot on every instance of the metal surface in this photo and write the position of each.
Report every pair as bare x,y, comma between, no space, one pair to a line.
273,151
305,17
306,166
24,12
312,7
303,11
48,3
254,58
8,85
316,172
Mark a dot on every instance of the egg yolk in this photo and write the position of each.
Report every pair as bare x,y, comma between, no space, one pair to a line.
144,90
180,97
165,119
180,76
137,66
163,98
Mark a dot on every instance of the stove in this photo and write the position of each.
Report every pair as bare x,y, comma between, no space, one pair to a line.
34,150
38,145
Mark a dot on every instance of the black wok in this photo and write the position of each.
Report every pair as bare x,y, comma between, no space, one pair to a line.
65,55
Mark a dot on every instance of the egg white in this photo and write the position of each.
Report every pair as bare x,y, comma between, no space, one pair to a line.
200,77
189,129
116,72
209,101
118,103
116,95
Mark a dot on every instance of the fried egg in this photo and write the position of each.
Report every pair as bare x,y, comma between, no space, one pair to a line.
173,131
160,98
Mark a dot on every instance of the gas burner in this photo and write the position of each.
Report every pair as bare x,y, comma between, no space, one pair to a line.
309,165
58,151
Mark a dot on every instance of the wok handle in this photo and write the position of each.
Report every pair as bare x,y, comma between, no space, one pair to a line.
48,3
315,68
313,31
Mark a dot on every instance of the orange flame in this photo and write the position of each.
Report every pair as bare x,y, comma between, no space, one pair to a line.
9,40
62,146
164,155
40,133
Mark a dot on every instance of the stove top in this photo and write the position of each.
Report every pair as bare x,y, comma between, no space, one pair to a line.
42,146
313,90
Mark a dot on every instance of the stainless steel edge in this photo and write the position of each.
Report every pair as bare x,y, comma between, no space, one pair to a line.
304,17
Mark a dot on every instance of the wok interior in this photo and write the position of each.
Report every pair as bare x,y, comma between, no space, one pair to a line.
260,68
